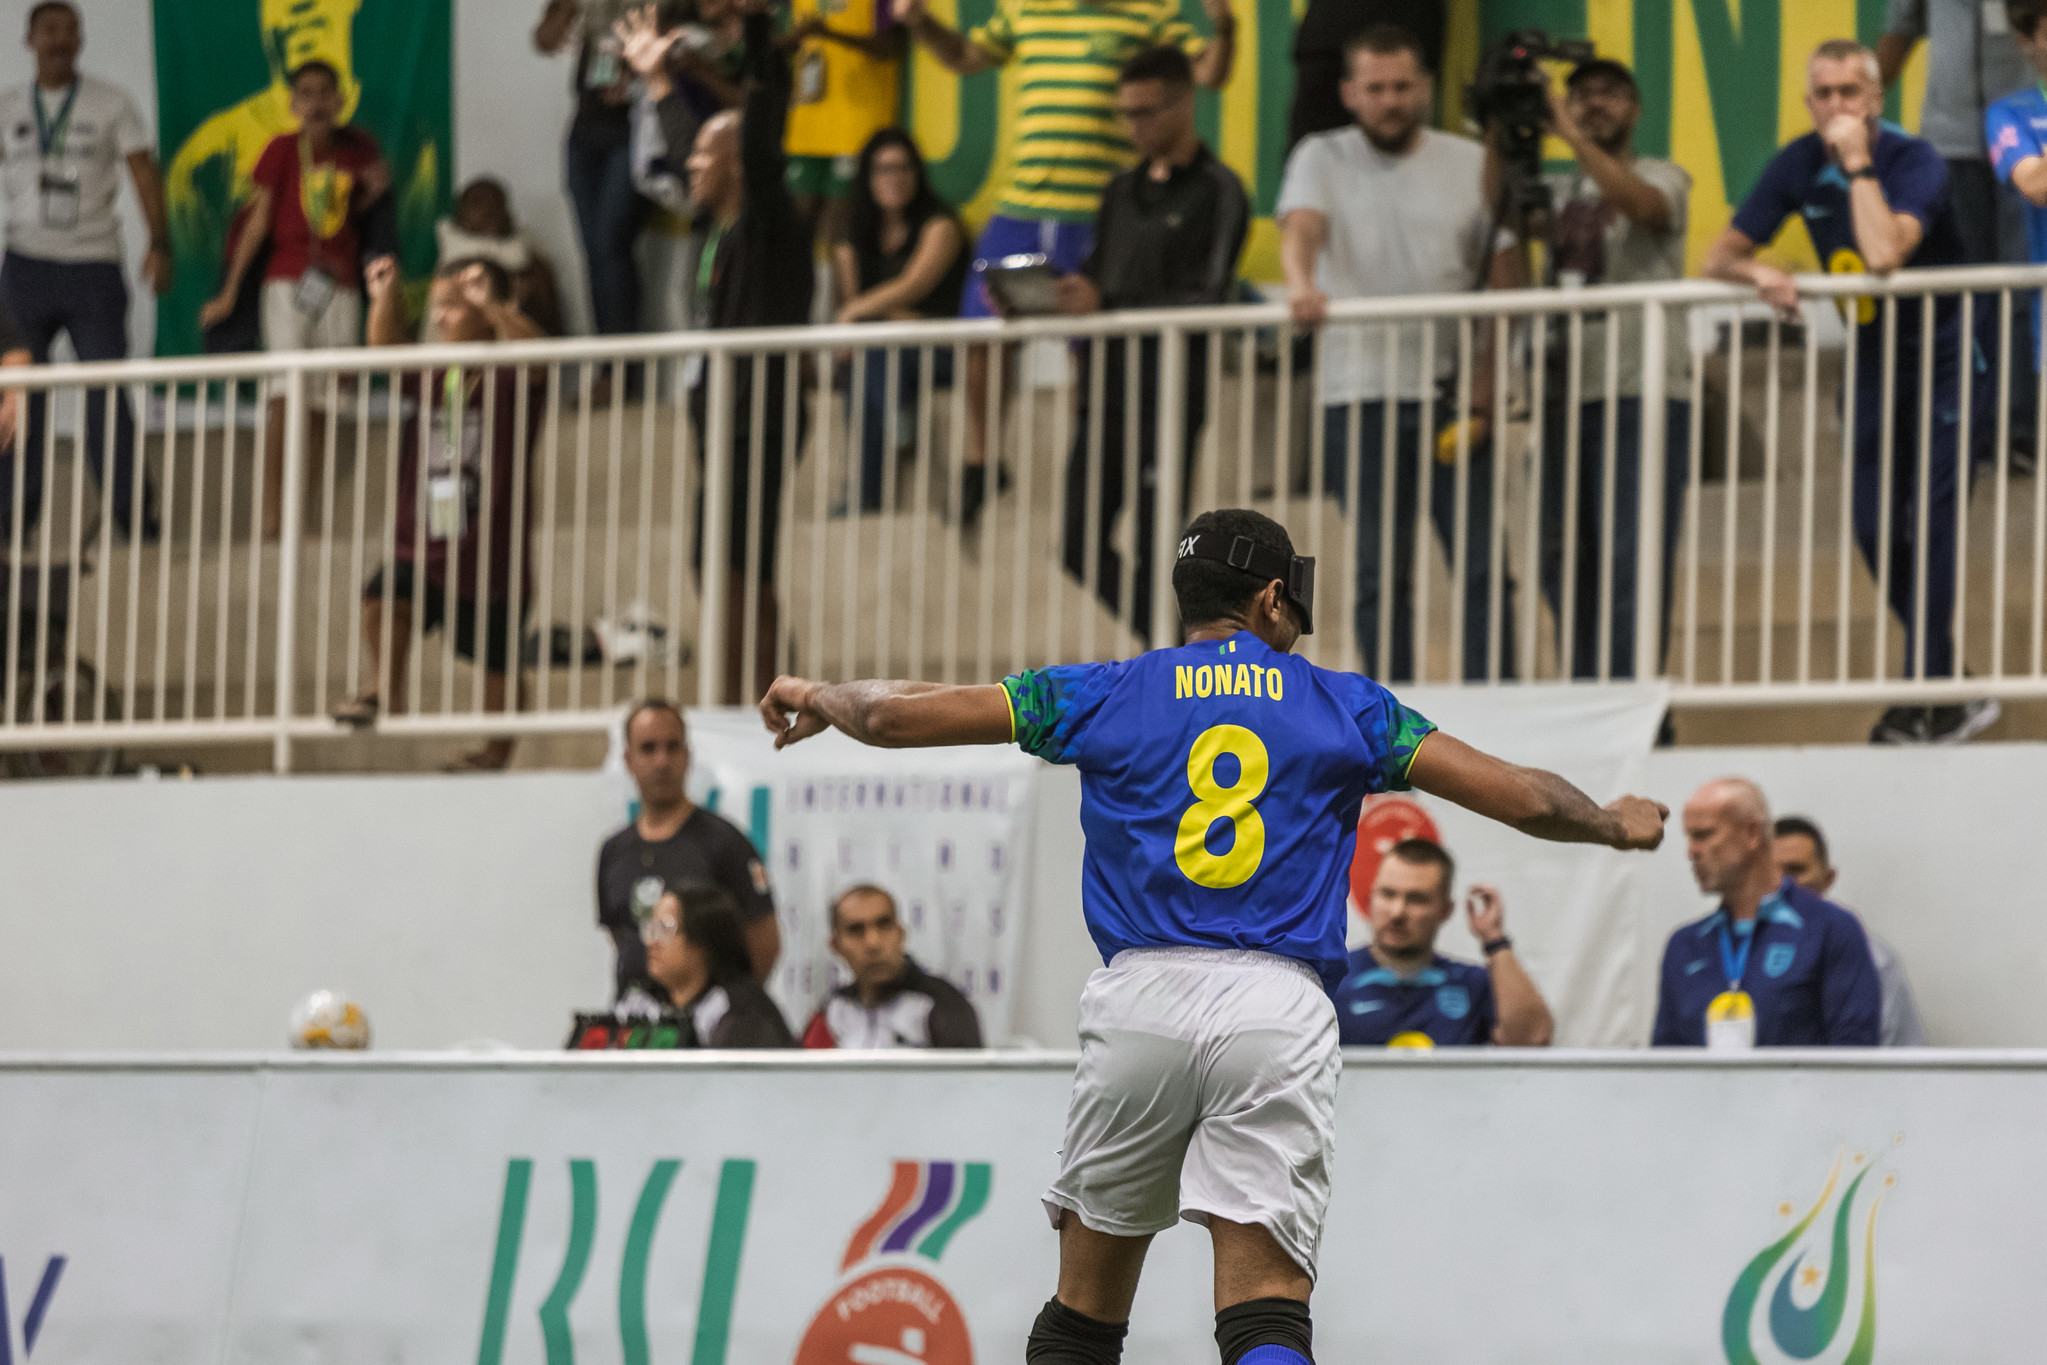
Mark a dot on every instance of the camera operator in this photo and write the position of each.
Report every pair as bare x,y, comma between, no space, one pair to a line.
1619,219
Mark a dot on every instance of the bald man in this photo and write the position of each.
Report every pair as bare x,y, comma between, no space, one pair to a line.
1774,965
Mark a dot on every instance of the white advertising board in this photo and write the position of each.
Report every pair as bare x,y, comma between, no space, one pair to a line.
1584,1207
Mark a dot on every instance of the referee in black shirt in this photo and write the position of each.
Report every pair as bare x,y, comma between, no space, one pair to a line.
674,843
1168,235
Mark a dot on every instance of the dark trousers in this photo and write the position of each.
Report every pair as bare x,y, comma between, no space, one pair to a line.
1589,550
876,400
88,300
1944,484
769,453
1116,422
1409,441
609,215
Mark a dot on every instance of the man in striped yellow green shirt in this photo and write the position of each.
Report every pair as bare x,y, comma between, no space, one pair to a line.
1070,140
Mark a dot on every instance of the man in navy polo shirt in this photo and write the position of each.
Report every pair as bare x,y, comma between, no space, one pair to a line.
1875,199
1400,992
1775,965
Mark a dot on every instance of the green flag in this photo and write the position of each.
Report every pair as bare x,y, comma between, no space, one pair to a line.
221,97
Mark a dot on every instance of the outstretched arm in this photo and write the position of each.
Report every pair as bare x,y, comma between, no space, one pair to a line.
1533,801
887,715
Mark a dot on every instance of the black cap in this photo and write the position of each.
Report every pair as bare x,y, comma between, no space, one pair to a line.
1602,66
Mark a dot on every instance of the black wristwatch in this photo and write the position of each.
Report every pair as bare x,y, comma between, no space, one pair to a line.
1866,173
1499,944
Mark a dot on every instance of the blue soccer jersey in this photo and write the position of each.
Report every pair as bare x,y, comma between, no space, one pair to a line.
2014,129
1448,1002
1220,787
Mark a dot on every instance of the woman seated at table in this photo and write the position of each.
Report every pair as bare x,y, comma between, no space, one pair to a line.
904,258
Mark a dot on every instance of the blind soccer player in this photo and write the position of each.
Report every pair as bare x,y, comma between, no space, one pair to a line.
1220,787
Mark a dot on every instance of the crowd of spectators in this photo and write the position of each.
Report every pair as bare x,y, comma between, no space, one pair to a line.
695,930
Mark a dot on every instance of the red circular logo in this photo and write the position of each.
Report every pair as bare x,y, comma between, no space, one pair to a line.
892,1316
1385,821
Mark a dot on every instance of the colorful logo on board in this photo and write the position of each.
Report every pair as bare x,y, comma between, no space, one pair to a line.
890,1308
38,1307
1811,1293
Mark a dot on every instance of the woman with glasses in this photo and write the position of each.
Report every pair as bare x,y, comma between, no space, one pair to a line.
904,258
696,951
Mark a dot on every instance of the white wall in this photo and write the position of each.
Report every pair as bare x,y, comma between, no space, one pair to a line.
511,113
192,915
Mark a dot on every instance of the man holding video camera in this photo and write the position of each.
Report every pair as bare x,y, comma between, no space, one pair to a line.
1618,219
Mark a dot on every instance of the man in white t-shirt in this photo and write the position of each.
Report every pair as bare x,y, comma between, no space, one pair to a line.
1389,207
64,138
1620,219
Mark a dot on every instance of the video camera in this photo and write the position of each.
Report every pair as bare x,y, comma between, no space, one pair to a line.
1509,97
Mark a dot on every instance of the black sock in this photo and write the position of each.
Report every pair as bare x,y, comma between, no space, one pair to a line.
1061,1336
1242,1328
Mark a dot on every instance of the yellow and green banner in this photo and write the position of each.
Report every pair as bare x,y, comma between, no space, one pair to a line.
221,97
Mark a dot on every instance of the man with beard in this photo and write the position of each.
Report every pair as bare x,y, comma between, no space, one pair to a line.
1620,219
1389,207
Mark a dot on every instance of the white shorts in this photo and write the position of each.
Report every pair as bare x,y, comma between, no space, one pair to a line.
1206,1088
288,328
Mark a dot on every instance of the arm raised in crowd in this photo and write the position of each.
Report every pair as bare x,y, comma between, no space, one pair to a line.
888,715
1212,67
764,166
557,24
386,323
1533,801
952,48
1635,197
1524,1018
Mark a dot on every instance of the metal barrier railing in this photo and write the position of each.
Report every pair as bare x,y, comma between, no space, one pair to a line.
1667,481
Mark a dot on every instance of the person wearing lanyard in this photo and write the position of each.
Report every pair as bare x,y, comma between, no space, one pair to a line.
1775,965
63,139
312,187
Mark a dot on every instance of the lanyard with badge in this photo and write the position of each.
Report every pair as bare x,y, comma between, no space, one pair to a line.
448,474
323,198
58,179
1731,1016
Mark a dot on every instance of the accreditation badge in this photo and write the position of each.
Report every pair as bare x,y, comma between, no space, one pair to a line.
1410,1042
59,192
1731,1022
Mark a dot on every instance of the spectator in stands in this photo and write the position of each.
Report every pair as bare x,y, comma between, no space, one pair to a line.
1319,40
1876,199
1620,219
696,956
470,497
1400,992
903,257
66,138
755,271
1069,143
1775,965
1974,62
891,1002
609,211
312,188
849,57
482,229
1801,853
673,842
1168,235
1388,206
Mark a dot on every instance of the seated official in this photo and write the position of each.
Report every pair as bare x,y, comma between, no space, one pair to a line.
1399,992
892,1002
696,954
1801,852
1775,965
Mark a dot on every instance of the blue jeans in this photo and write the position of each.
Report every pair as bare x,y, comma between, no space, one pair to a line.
1627,501
609,214
1408,458
874,408
88,300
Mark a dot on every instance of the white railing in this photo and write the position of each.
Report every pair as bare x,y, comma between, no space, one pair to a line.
214,633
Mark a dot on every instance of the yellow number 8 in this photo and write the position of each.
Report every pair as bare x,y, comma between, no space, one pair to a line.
1216,802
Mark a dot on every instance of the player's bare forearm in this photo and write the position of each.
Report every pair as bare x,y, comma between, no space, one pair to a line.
1537,803
886,714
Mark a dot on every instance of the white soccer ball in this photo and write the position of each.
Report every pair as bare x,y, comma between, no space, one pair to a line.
329,1019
